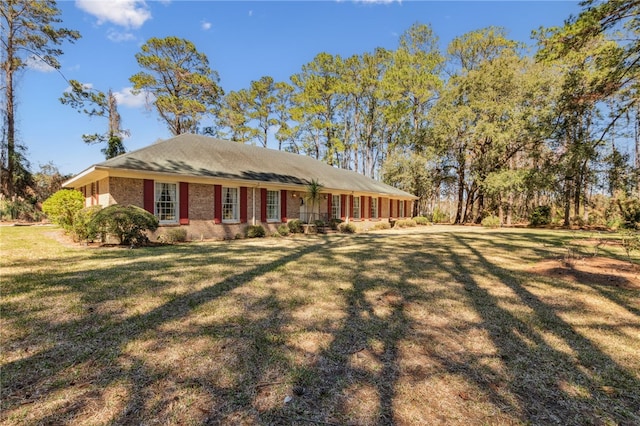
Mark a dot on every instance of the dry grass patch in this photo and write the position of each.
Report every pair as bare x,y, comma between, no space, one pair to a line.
436,325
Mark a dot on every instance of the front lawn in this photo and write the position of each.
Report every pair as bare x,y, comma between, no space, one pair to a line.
433,325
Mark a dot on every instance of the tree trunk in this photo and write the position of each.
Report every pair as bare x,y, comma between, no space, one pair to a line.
8,187
509,208
458,218
567,202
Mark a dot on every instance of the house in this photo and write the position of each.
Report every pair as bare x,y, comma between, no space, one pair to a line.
215,188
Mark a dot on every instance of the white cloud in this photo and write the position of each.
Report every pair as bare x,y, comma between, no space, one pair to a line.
35,63
126,13
118,36
206,25
251,13
128,99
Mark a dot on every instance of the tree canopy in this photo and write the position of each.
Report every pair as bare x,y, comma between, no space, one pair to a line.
177,77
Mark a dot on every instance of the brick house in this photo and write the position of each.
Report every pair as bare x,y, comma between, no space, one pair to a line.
216,188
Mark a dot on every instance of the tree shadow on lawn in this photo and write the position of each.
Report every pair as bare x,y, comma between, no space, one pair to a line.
237,370
351,380
100,339
552,386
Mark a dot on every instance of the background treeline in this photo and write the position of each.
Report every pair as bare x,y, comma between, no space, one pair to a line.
485,127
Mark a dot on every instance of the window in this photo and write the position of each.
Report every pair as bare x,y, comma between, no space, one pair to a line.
335,207
400,208
374,208
166,205
230,208
356,207
273,206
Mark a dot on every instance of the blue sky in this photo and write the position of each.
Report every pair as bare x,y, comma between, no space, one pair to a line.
244,40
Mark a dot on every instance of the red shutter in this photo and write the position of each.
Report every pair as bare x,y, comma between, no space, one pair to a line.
263,205
379,207
243,204
329,201
343,205
406,209
363,209
283,206
184,203
217,203
148,196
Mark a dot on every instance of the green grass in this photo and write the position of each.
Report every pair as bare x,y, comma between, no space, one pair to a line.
431,325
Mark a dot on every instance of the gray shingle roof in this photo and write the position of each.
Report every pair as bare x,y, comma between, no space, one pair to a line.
203,156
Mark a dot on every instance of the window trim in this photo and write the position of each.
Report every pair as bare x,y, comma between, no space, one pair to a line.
176,203
336,207
356,199
235,206
374,208
277,207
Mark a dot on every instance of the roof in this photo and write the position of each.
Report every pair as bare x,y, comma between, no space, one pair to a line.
196,156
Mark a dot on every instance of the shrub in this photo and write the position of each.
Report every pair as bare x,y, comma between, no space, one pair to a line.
127,223
382,225
283,230
630,211
295,226
405,223
62,207
540,216
334,223
255,231
174,235
84,228
438,216
630,241
347,228
421,220
491,221
596,218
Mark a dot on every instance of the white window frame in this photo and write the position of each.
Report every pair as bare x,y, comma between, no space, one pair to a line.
162,212
336,211
374,208
356,208
273,205
233,207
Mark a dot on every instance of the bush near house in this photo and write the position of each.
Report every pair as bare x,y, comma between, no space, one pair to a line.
62,207
405,223
255,231
295,226
283,230
83,227
129,224
382,225
347,228
174,235
334,223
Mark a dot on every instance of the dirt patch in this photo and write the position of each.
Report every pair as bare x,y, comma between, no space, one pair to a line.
592,271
